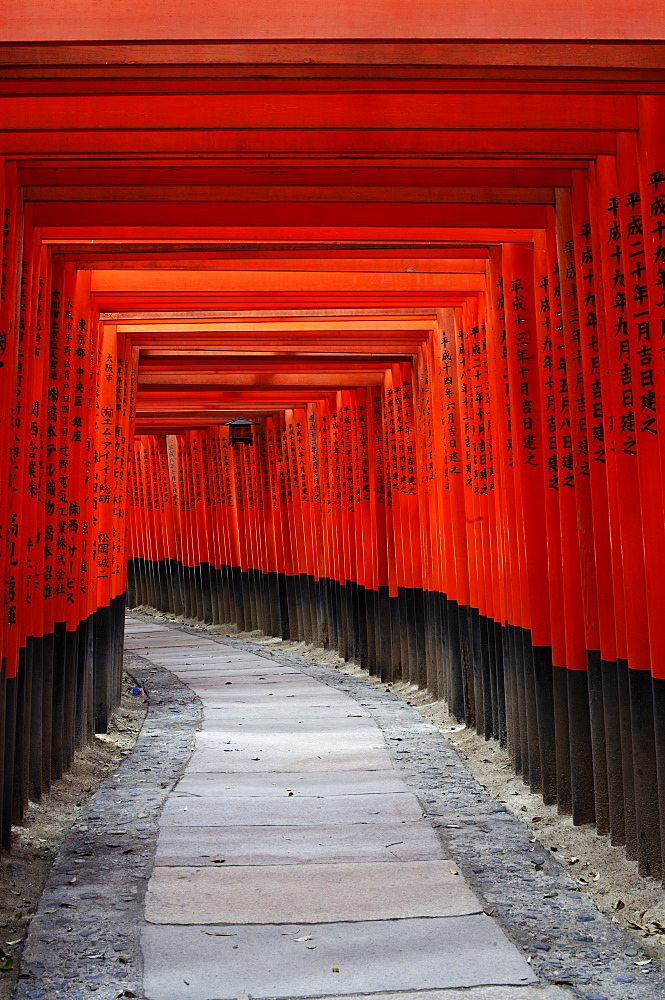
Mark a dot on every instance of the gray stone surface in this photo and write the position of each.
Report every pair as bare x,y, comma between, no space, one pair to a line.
296,783
320,893
282,845
531,992
218,761
377,956
382,807
288,722
281,744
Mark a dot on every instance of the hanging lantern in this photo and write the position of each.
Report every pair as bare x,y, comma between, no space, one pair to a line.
240,430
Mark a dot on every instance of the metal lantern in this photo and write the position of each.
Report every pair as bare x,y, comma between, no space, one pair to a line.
240,430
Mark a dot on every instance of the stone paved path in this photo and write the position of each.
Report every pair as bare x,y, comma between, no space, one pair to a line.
294,861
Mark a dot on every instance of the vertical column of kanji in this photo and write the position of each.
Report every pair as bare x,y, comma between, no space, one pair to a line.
165,521
377,479
326,584
211,520
105,672
252,542
471,398
133,551
648,381
172,459
512,586
367,604
190,462
621,385
393,546
651,167
124,389
148,540
156,525
35,544
357,537
142,467
82,512
156,532
432,418
185,493
335,522
9,302
455,581
234,586
399,509
314,478
188,540
274,540
286,502
461,350
485,526
559,443
29,387
606,582
304,483
411,499
339,522
581,517
350,523
290,535
518,270
202,520
299,513
423,457
211,502
270,596
18,411
491,429
67,539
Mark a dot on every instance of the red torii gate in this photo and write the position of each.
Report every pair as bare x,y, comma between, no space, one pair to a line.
428,259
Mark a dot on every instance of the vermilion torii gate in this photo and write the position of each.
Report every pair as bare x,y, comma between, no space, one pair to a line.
424,249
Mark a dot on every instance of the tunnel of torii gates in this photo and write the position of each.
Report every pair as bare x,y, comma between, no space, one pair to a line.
422,246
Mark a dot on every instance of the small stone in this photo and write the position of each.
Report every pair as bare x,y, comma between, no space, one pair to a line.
624,979
542,947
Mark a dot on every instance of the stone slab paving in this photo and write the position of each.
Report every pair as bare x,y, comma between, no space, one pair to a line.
284,845
315,893
85,938
296,783
371,957
351,810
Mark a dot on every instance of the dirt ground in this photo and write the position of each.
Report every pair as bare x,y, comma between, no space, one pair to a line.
23,873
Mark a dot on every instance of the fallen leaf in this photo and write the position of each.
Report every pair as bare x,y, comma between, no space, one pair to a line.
310,946
619,905
335,969
573,861
218,861
307,937
219,934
